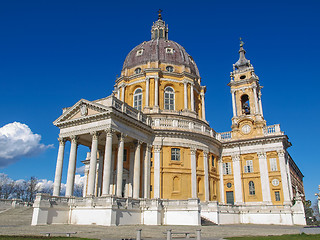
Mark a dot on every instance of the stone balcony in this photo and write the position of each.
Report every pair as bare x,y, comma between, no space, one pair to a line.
273,130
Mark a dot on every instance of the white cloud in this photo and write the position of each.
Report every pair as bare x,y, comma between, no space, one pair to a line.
80,170
44,184
79,180
18,141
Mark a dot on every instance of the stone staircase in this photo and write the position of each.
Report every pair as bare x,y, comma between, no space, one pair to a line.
206,222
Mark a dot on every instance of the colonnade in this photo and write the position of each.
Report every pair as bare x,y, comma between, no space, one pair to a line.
107,166
187,105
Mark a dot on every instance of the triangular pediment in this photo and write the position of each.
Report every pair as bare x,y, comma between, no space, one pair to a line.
82,109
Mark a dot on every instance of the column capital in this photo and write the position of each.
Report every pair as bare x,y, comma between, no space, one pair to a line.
121,136
262,155
235,157
122,85
193,150
281,152
74,139
109,131
95,135
138,143
157,148
148,147
205,153
185,81
61,140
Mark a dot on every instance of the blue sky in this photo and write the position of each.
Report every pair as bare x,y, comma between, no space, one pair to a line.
53,53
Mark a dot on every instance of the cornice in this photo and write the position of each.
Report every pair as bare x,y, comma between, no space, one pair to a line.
189,135
256,141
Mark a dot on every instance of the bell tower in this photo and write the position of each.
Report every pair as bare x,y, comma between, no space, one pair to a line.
247,121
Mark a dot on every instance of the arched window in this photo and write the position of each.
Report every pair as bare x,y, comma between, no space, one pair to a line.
245,104
137,70
252,190
137,99
169,98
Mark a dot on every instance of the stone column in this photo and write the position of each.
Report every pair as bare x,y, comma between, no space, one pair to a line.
120,164
284,177
255,100
112,180
264,177
122,92
185,85
289,175
260,104
85,186
147,171
147,91
98,184
156,92
118,92
221,181
237,179
136,171
203,107
107,163
72,166
93,164
131,170
156,182
206,176
233,104
192,97
58,175
194,191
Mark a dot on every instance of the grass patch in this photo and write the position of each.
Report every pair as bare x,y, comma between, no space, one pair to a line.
282,237
41,237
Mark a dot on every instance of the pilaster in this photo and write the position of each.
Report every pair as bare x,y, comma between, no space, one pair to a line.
237,179
264,177
156,182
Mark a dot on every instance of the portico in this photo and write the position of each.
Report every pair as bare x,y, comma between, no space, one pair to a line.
109,132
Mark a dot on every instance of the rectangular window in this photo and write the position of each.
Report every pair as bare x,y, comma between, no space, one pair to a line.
175,154
277,195
125,155
212,160
248,168
227,168
230,199
273,164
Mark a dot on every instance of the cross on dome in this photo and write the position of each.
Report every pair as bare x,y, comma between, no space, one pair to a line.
159,29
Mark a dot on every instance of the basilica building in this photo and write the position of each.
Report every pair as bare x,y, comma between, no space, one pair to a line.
155,160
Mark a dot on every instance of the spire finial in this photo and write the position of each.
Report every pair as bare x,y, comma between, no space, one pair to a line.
159,14
241,42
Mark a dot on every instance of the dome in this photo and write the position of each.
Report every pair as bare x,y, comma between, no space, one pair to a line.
163,50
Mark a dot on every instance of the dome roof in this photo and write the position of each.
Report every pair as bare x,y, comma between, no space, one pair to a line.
163,50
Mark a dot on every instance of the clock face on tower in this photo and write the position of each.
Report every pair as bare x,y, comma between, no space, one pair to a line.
246,129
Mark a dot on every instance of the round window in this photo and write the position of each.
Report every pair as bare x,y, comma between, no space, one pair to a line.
275,182
242,76
169,68
229,185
